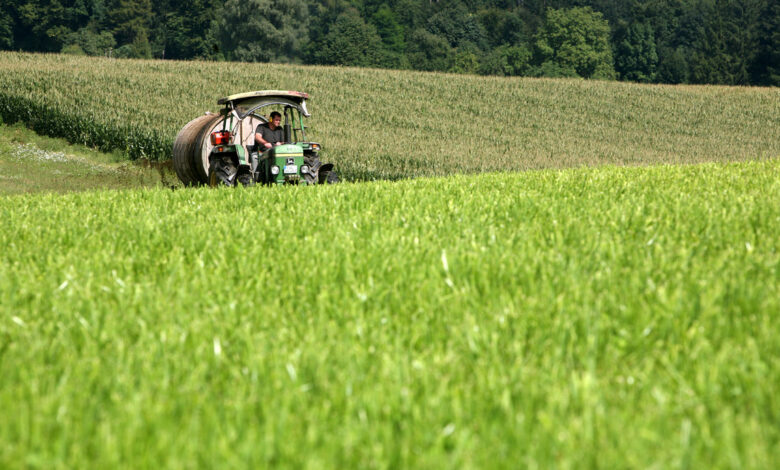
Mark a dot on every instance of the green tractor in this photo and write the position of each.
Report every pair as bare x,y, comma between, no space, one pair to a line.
229,155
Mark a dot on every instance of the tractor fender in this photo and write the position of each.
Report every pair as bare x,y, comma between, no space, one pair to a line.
326,167
233,157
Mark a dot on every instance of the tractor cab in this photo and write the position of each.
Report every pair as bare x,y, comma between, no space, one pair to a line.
236,158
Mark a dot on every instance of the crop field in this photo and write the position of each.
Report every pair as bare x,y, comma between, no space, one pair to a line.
380,124
584,318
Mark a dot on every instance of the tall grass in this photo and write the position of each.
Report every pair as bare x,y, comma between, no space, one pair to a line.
396,124
589,318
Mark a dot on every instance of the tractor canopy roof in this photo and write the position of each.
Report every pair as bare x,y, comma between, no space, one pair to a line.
247,103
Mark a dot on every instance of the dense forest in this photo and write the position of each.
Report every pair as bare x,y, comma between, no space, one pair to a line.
735,42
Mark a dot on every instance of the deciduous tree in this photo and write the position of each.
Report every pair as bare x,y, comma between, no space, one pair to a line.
576,40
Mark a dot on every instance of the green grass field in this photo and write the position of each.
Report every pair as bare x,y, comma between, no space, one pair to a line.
381,124
585,318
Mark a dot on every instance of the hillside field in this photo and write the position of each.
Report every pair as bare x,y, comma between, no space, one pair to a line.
382,124
588,318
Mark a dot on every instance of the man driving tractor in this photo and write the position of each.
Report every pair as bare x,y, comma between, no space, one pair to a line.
216,149
269,134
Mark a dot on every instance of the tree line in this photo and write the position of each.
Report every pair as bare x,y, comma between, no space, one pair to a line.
733,42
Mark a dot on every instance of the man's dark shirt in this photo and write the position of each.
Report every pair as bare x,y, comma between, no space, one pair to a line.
272,136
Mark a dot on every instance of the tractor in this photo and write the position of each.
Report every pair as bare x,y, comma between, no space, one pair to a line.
219,150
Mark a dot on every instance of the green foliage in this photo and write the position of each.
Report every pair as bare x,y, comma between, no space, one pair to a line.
635,53
46,23
589,318
502,27
458,26
551,69
392,60
350,41
92,43
465,61
73,49
429,52
721,41
129,21
766,69
411,13
576,40
262,30
6,32
184,29
673,68
726,43
771,49
140,47
507,61
389,29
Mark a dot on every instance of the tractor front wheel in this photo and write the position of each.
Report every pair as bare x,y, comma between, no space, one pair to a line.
245,178
329,177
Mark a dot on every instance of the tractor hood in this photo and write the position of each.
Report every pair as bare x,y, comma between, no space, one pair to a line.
246,103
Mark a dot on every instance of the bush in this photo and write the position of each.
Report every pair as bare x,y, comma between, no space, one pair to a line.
465,62
73,49
554,70
507,61
90,42
429,52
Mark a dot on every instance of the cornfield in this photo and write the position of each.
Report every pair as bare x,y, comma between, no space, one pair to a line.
379,124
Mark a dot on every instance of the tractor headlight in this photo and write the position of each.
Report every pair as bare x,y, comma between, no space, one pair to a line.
304,168
274,170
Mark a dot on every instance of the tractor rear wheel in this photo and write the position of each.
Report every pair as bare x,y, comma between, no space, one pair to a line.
222,171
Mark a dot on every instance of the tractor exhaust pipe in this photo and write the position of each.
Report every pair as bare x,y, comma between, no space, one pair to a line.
287,126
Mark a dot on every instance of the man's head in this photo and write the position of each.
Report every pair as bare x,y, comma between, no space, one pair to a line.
276,118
